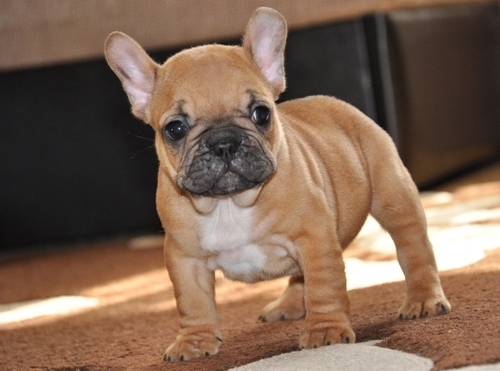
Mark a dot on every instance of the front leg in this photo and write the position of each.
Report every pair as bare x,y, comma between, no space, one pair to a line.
195,294
325,295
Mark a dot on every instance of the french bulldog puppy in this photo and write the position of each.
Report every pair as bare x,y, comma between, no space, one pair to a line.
262,190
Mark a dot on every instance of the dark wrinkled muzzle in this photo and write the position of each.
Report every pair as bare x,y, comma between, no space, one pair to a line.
226,160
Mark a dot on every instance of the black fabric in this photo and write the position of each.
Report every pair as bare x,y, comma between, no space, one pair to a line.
74,163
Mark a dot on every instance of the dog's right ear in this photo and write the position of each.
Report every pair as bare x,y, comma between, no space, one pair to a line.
135,69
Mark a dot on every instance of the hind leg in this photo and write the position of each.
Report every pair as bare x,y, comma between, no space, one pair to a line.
398,209
289,306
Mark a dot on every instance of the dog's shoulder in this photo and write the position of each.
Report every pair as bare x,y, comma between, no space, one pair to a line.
317,105
322,112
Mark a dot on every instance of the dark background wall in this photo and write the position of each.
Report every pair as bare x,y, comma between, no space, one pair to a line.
73,164
445,79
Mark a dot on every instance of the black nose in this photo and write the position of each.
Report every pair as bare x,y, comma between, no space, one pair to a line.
224,144
225,150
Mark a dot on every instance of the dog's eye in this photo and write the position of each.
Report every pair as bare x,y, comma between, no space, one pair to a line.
176,130
261,115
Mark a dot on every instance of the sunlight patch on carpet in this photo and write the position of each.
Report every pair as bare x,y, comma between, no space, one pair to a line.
132,287
22,311
462,230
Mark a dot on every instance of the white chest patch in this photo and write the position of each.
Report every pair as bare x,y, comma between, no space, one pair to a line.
241,263
227,231
228,227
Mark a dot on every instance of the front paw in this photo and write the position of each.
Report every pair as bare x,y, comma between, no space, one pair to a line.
191,344
414,308
326,333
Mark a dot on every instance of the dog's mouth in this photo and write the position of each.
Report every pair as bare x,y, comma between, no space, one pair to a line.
229,183
225,162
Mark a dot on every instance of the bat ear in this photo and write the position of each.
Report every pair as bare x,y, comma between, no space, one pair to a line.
135,69
264,40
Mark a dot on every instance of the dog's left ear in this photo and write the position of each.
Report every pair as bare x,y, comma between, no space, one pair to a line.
265,39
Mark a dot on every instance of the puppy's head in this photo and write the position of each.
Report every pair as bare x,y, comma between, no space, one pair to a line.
212,107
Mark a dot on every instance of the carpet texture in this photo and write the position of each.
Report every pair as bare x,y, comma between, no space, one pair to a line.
134,318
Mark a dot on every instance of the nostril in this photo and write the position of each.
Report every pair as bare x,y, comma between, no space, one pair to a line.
224,143
226,149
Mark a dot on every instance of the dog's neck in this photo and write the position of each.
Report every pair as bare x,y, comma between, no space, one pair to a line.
206,205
